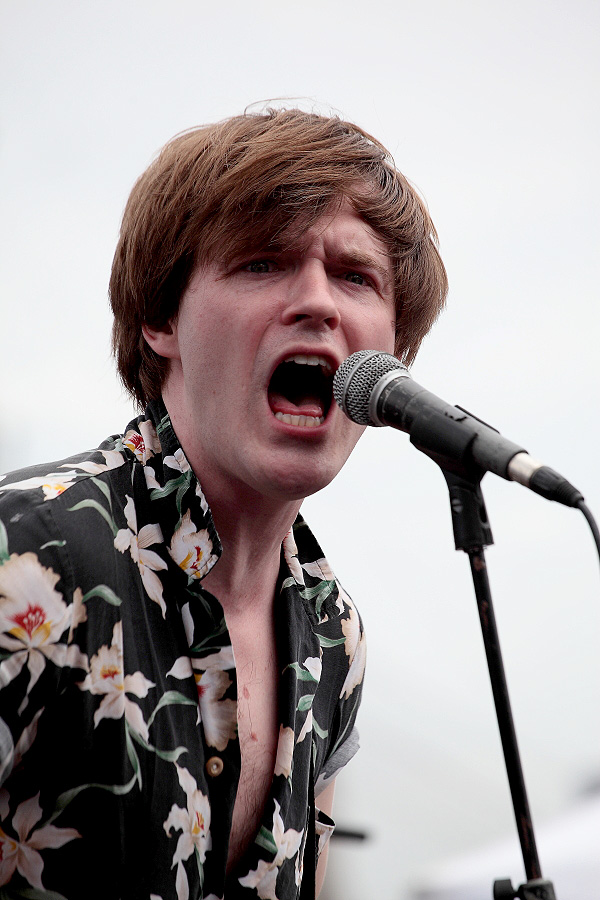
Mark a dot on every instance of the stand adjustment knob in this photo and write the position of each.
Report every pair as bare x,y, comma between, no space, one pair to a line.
537,889
503,890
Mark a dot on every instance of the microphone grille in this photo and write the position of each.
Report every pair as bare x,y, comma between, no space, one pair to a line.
355,379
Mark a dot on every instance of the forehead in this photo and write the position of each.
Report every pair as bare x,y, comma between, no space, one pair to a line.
341,222
342,234
337,231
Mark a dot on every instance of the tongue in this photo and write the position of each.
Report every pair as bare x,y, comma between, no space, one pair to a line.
305,406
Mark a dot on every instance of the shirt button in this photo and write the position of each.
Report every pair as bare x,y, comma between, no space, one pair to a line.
214,766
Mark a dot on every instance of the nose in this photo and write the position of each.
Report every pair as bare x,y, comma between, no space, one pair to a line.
311,298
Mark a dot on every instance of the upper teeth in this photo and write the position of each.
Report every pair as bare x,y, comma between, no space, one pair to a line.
304,360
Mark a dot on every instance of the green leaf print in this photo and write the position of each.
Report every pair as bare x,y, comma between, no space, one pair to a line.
164,423
321,732
93,504
172,485
265,839
301,674
4,554
205,644
68,796
168,699
330,642
305,702
323,587
132,754
105,593
167,755
104,488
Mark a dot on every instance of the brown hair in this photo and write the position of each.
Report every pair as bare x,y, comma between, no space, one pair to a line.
220,191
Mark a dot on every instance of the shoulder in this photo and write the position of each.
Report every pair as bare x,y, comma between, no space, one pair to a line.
30,487
333,614
34,500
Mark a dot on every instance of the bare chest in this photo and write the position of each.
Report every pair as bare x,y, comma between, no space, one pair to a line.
258,730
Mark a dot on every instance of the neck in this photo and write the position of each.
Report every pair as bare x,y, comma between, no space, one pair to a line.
251,535
251,527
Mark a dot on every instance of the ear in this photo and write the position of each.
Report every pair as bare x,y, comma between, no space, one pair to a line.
163,341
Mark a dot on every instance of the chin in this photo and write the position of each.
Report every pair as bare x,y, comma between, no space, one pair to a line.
300,482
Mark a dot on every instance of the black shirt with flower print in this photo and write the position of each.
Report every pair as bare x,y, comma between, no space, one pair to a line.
119,755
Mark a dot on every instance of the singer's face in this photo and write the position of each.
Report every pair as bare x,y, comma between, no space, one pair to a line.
253,351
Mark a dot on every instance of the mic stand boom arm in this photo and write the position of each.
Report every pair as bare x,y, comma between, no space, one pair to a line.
472,533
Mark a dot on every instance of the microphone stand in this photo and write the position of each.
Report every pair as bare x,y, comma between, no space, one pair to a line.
472,533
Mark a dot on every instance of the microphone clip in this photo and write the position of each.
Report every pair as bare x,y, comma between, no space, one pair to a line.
470,523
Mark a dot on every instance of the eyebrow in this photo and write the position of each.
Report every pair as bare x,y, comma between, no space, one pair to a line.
354,258
348,256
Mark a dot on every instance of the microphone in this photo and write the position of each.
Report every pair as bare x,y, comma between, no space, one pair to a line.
375,388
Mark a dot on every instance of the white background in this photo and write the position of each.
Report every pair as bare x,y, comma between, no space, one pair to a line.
491,109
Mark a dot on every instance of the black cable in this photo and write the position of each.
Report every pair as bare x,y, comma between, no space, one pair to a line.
592,523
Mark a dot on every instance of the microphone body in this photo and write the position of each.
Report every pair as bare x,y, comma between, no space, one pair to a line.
375,388
446,432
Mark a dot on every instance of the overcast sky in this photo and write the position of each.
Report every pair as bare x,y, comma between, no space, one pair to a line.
491,109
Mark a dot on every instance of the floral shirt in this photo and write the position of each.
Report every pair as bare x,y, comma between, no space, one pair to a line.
119,754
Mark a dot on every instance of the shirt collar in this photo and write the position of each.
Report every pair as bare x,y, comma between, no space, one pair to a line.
175,497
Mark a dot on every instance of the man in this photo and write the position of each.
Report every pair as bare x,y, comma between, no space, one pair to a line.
180,671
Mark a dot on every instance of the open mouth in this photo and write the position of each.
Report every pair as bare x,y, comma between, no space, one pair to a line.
300,390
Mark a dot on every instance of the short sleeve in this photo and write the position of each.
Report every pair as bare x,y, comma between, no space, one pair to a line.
336,762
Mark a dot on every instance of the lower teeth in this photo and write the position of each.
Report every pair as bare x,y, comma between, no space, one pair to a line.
306,421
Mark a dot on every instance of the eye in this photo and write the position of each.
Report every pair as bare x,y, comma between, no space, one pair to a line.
260,266
355,278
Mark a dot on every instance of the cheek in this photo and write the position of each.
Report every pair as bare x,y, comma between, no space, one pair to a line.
381,331
352,435
390,346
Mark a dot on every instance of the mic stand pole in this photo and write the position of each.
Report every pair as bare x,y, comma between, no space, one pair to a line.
472,533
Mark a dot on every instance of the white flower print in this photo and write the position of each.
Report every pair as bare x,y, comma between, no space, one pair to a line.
20,853
143,443
33,617
306,728
56,483
323,831
53,484
218,716
113,459
285,751
192,550
220,659
194,824
148,561
13,756
79,613
290,552
107,676
320,569
178,461
314,665
264,877
356,649
152,482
